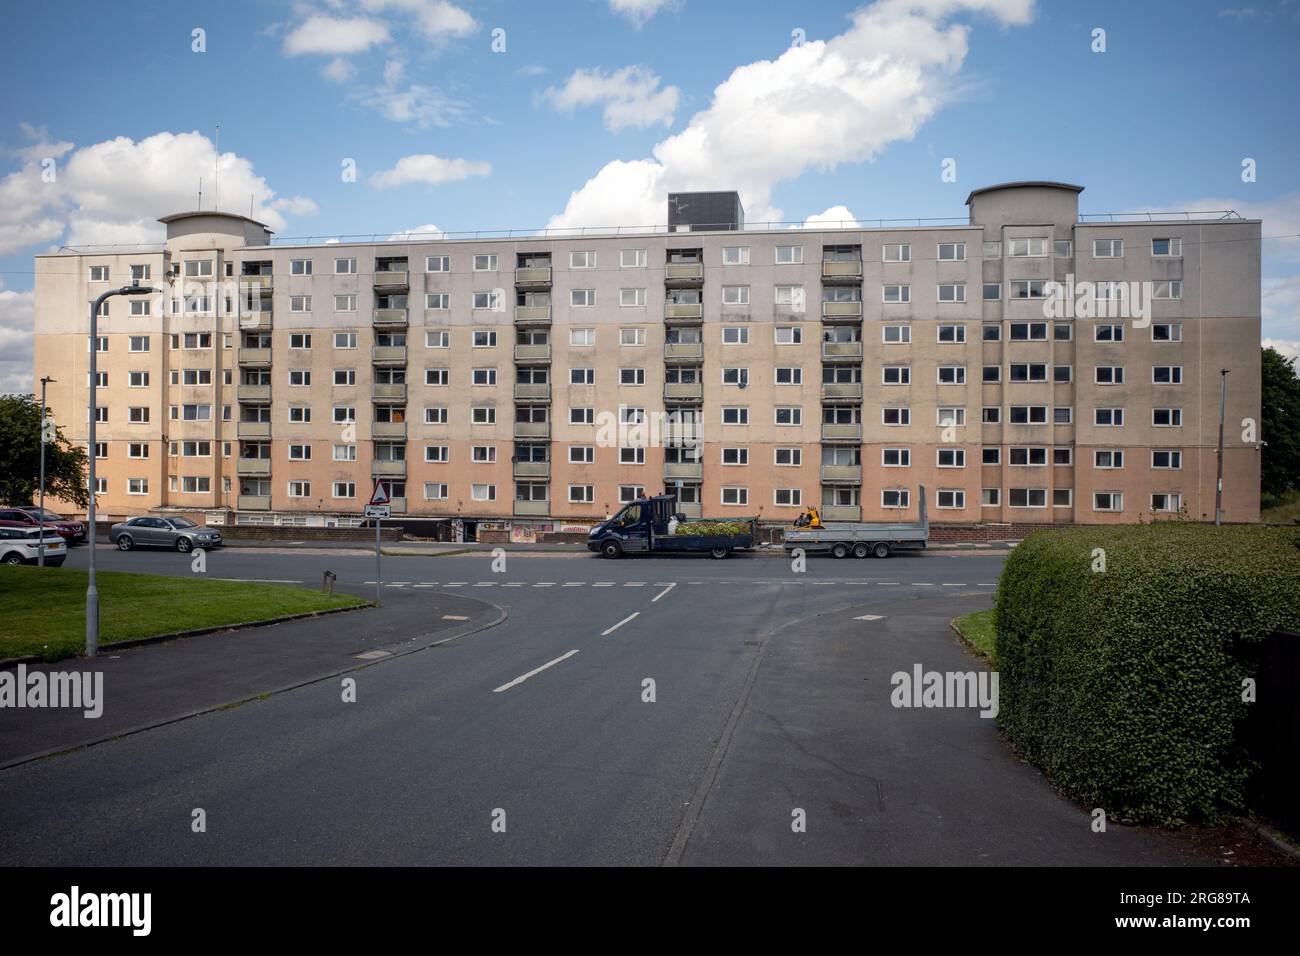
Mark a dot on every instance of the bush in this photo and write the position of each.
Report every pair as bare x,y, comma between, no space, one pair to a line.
713,528
1125,686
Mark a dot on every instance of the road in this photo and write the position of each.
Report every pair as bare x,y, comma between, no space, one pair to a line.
645,711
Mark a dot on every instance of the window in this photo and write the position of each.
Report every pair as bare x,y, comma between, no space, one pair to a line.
735,496
300,452
896,416
950,498
198,268
1109,374
631,456
896,334
896,457
582,454
1062,374
992,373
1166,501
300,267
631,376
344,413
1062,456
441,301
991,333
139,414
952,457
99,273
1167,248
1107,248
788,334
484,339
952,333
582,376
437,376
735,335
952,292
991,456
137,486
735,415
139,343
483,492
1167,374
894,498
344,489
791,296
582,416
1107,501
1027,372
437,339
485,263
735,295
631,336
788,415
435,415
300,340
896,252
483,376
789,375
1167,332
1028,332
735,255
483,454
299,414
133,450
487,300
582,260
345,267
1029,289
139,307
1167,417
784,457
483,415
1027,415
298,377
1173,289
632,259
582,337
992,291
345,303
951,417
582,494
1063,248
952,252
896,375
1026,248
896,293
437,264
630,298
788,255
1109,458
1108,417
990,497
1062,332
582,298
1108,333
1027,497
137,379
344,452
952,374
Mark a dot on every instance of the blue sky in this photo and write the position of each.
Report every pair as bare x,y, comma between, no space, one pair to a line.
619,100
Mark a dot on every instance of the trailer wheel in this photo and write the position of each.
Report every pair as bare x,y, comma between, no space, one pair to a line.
719,553
839,550
611,549
880,550
860,550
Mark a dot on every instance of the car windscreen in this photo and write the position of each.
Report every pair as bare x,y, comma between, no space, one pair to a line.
38,514
183,523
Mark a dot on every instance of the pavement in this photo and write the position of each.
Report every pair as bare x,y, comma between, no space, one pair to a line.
647,711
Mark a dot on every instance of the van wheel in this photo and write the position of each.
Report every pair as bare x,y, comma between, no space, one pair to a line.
13,557
860,550
124,542
719,553
839,550
611,549
880,550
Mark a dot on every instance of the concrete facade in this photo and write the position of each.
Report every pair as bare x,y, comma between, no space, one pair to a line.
864,356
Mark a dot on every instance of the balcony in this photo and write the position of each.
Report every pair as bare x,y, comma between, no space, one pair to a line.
683,351
388,355
532,509
689,509
842,474
686,312
533,391
255,358
532,429
533,277
532,354
684,275
397,505
532,469
841,512
388,429
253,467
253,430
255,283
253,502
381,468
392,281
389,392
841,391
692,470
841,351
842,311
258,319
842,433
841,272
256,394
683,391
391,318
533,314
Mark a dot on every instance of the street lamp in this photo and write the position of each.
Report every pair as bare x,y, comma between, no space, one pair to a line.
40,514
92,594
1218,485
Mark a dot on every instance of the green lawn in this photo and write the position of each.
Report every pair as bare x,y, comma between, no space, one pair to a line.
44,611
977,628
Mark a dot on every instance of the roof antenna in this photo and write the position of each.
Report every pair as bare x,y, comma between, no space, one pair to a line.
200,194
250,205
216,173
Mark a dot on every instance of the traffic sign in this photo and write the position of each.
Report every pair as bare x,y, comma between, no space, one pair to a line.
380,495
378,511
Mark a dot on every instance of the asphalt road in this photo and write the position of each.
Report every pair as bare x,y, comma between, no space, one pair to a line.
642,711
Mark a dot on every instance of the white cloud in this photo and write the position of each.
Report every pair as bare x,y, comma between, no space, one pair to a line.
1280,307
640,11
436,20
429,169
816,106
41,146
1289,350
423,106
427,231
17,311
296,206
334,36
834,216
339,70
631,96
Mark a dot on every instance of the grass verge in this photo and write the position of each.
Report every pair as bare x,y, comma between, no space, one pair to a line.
1281,510
977,631
44,611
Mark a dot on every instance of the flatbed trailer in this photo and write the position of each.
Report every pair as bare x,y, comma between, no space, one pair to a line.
862,538
643,528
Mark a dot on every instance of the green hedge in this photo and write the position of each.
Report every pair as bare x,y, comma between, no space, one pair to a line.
1125,686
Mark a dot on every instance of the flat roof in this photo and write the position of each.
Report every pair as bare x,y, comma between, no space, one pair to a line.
176,216
1030,183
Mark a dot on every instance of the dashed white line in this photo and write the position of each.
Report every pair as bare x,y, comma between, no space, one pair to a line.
603,584
633,584
544,584
954,585
573,584
485,584
610,630
534,672
663,592
513,584
922,584
424,585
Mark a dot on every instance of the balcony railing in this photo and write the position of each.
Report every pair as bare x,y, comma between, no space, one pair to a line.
259,320
258,394
253,502
837,432
842,474
533,277
684,273
389,391
532,469
253,430
684,311
532,353
841,512
254,358
397,505
841,310
533,509
255,284
841,351
690,509
841,391
388,429
683,469
533,391
392,280
842,271
683,351
533,314
532,429
683,391
253,467
388,355
391,317
381,468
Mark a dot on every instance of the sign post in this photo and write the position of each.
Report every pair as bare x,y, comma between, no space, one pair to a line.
379,508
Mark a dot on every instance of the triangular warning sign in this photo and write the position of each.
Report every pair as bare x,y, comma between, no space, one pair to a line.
380,495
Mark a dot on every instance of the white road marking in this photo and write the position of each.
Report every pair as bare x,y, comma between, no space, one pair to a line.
633,584
513,584
534,672
455,584
886,582
424,585
603,584
986,585
544,584
573,584
870,617
485,584
922,584
454,617
954,585
394,585
610,630
663,592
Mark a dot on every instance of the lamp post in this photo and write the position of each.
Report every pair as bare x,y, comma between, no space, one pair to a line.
40,512
92,593
1218,485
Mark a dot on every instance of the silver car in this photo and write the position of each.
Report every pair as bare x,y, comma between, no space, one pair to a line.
157,532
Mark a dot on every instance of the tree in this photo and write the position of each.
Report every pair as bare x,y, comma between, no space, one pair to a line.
1279,471
20,457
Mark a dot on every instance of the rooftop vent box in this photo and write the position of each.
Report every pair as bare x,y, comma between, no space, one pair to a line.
689,212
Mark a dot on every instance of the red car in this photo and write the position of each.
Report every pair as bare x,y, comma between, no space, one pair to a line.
69,531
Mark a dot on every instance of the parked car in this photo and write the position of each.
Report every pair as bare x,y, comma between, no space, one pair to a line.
27,516
22,546
150,531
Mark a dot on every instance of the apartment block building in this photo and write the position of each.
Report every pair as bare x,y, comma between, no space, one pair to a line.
1023,365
